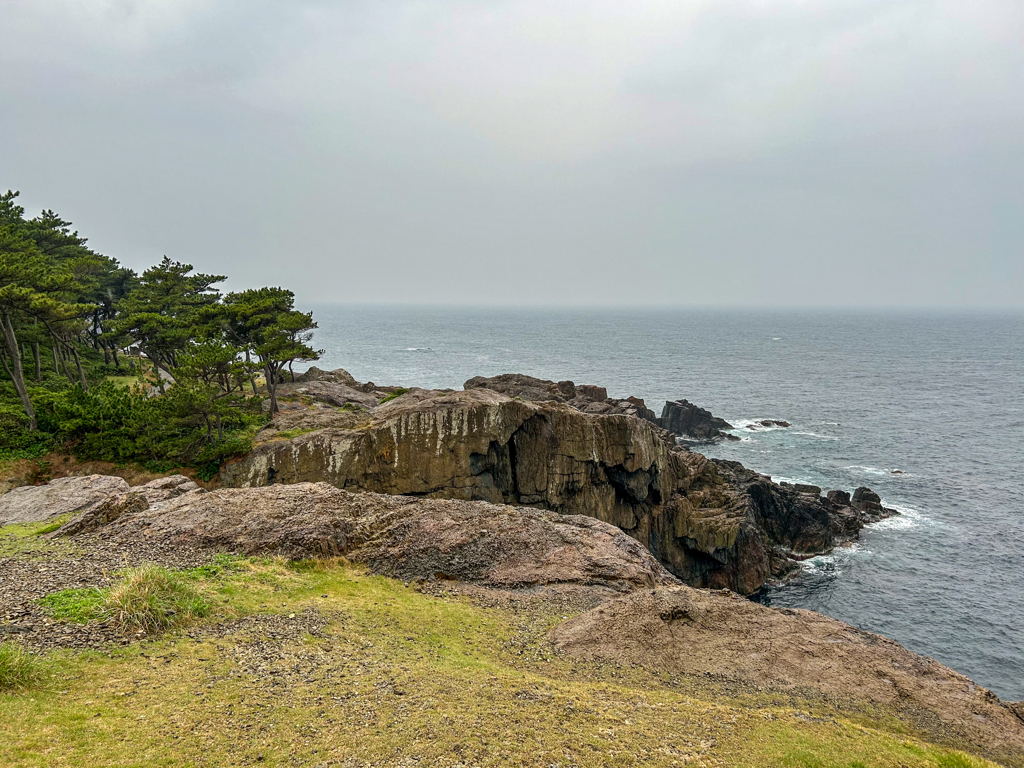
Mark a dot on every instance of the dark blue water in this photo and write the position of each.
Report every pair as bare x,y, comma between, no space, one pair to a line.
938,397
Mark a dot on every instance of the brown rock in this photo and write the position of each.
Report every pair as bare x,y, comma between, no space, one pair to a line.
66,495
330,392
105,513
681,630
711,523
337,376
476,542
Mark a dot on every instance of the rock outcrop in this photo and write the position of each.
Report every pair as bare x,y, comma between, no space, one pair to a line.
690,422
474,542
120,504
66,495
711,523
587,398
684,631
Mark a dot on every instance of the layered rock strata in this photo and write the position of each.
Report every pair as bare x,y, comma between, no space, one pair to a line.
712,523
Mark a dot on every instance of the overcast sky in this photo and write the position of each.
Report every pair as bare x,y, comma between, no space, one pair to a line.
757,152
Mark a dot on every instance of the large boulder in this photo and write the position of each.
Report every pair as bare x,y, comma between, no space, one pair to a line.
688,421
330,392
525,387
678,630
337,376
407,538
64,496
711,523
583,397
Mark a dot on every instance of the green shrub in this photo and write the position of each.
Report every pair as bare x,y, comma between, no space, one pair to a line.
391,396
18,668
152,598
16,441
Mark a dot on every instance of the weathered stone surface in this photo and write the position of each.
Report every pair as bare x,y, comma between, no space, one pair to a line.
337,376
869,504
289,423
105,513
681,630
166,488
711,523
330,392
407,538
683,418
66,495
584,397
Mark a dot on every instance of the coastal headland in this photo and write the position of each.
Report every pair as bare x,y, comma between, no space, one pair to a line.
392,567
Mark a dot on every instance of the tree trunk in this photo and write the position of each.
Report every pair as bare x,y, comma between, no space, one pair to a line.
81,373
117,360
39,362
17,373
271,388
56,367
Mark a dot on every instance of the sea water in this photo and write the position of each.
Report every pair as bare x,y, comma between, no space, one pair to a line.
925,408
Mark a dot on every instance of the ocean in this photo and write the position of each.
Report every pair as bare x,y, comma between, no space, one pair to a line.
926,408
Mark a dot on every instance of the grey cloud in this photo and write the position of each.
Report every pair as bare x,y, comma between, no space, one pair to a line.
782,152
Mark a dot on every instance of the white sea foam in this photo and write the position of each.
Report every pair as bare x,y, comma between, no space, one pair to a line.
793,480
739,424
815,434
418,349
869,470
835,561
907,519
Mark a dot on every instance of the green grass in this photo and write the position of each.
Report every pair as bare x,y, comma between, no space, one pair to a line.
148,598
392,395
26,538
19,669
290,433
400,677
78,605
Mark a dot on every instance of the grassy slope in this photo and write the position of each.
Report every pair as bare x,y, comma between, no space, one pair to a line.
395,675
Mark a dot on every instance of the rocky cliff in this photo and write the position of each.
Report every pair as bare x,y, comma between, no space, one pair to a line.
711,523
683,418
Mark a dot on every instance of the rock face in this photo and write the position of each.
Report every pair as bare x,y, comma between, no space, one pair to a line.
120,504
402,537
587,398
67,495
711,523
681,630
330,392
688,421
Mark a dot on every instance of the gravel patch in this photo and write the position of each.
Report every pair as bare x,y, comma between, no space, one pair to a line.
52,566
